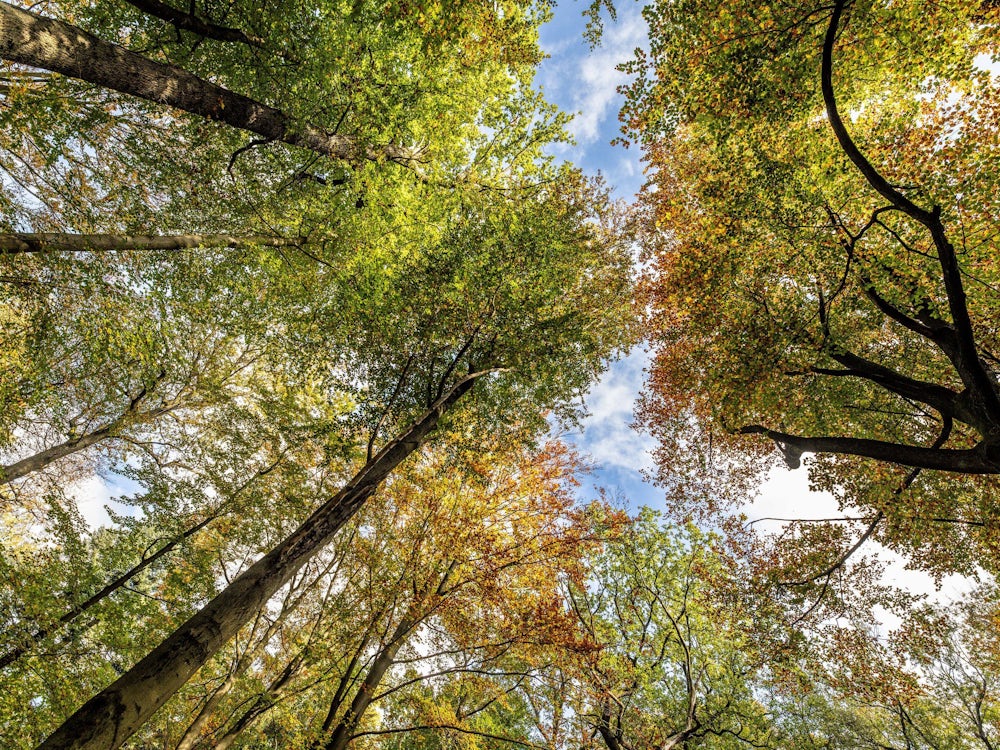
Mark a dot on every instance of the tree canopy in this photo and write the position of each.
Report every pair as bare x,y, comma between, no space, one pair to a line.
260,333
821,225
304,283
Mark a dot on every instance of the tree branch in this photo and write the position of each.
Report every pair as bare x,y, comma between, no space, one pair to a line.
49,44
109,718
963,461
195,24
450,727
17,243
872,175
936,396
967,361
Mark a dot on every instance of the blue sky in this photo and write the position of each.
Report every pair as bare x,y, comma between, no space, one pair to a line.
584,82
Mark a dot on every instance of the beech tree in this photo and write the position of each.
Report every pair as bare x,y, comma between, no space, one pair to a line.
674,665
822,233
394,251
455,572
466,569
462,339
930,683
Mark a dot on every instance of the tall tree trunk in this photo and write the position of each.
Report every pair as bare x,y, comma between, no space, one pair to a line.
345,681
43,458
385,658
49,44
108,719
11,244
40,460
192,734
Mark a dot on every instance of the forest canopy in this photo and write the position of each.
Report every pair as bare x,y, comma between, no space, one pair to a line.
821,218
305,283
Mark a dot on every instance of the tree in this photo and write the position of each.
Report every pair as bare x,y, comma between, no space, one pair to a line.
326,62
823,243
450,579
479,593
70,622
461,339
674,665
484,287
673,654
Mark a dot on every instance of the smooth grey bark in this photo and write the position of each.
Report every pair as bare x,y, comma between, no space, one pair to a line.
40,242
191,737
60,47
43,458
108,719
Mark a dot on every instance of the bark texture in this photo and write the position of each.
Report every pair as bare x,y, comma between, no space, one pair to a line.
40,460
12,244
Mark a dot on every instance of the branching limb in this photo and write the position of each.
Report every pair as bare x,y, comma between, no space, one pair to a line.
964,461
195,23
872,175
966,358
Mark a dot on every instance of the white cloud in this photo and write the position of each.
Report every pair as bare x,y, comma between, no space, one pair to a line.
785,494
628,166
93,495
593,72
596,98
607,435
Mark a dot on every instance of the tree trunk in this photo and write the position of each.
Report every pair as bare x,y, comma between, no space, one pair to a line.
192,734
11,244
49,44
43,458
363,698
40,460
108,719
